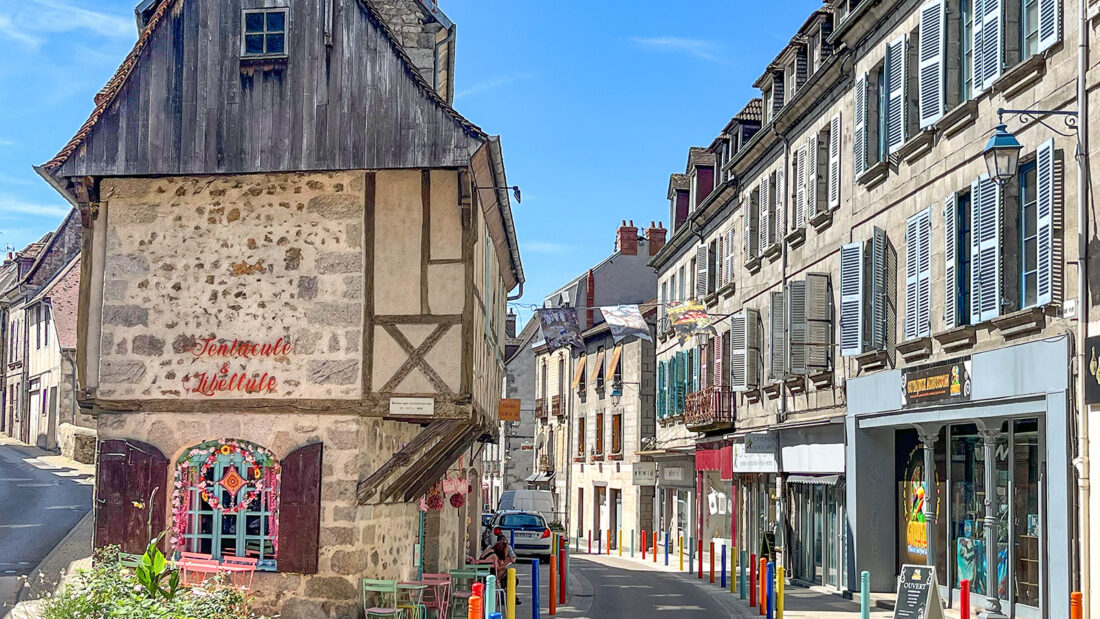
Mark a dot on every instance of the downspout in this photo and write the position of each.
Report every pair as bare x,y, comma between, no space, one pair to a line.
1082,460
780,524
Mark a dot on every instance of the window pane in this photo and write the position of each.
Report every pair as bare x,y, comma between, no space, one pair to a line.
1029,255
1028,177
1029,220
206,525
254,22
254,44
274,43
1030,295
276,21
253,525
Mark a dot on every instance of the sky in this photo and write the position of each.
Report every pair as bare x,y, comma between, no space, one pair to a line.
596,104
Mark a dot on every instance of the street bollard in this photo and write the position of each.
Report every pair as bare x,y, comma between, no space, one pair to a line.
534,589
473,609
490,601
733,570
599,547
752,581
510,598
742,575
780,578
654,546
620,542
865,595
643,544
762,590
964,598
553,585
723,566
712,562
681,539
700,551
632,543
563,569
495,616
609,542
771,590
691,552
512,541
590,541
1076,605
666,548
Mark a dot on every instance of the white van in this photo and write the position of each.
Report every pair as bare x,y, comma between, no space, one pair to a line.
540,501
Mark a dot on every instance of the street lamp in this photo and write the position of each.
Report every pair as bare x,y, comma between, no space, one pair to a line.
616,393
1002,155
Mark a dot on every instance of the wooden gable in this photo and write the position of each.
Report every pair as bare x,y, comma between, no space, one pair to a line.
184,103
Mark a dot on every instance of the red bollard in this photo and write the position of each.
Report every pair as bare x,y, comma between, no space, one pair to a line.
609,541
644,538
752,580
654,546
700,553
590,541
561,571
553,584
712,563
762,595
964,599
1076,605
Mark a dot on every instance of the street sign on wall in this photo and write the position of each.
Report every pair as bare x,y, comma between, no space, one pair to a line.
508,409
644,473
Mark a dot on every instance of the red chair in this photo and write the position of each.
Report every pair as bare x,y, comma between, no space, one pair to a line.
240,571
437,595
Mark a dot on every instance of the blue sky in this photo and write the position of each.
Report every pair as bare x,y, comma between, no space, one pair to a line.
596,103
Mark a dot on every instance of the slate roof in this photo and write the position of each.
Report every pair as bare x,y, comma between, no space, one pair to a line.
677,181
64,294
699,156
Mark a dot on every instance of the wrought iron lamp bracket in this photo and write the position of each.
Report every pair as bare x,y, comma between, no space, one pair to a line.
1069,118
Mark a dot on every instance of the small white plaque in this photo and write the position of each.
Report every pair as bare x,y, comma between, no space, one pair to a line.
417,407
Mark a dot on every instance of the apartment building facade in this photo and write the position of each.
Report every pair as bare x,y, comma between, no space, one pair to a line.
895,318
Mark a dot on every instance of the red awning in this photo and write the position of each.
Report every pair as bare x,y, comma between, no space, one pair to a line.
720,459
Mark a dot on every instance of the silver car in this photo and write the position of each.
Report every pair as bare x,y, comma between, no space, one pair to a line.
526,531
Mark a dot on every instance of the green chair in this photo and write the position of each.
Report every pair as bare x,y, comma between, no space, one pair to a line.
380,599
462,588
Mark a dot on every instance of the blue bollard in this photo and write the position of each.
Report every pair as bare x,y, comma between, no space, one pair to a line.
495,616
865,594
632,543
489,604
691,553
666,548
535,588
723,567
744,571
599,546
771,589
513,540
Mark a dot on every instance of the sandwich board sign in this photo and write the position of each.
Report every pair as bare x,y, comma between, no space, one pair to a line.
918,594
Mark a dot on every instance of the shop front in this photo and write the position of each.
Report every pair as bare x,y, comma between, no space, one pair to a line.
756,479
676,499
970,463
812,462
714,472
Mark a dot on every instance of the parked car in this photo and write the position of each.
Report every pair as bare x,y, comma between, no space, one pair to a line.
540,501
527,531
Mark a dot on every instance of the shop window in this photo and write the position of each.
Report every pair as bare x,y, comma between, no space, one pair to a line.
617,434
226,502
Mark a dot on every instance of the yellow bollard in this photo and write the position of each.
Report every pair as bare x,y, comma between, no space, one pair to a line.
681,538
511,603
733,571
620,542
779,592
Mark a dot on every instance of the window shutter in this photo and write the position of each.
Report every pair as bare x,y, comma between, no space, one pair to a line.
924,274
719,266
704,367
950,261
300,510
662,390
696,369
1050,23
796,298
895,97
851,299
819,323
812,176
912,258
700,272
985,253
777,323
751,236
834,161
859,141
1044,212
878,289
719,362
127,474
800,188
931,70
992,47
753,344
762,222
729,255
780,206
977,44
738,352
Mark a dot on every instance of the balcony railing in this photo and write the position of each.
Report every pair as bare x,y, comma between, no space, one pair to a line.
709,409
540,408
555,406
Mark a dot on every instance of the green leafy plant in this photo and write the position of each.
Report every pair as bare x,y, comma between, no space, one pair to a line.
154,573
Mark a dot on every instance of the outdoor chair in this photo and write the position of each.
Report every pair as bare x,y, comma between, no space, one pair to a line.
240,570
462,588
380,599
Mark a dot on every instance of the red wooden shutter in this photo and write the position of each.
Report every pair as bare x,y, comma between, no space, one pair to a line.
129,472
300,510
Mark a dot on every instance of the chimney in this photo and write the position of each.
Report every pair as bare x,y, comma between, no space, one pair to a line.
655,237
510,324
626,239
590,294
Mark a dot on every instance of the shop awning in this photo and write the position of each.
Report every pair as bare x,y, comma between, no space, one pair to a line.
615,358
720,459
541,477
580,372
825,480
597,366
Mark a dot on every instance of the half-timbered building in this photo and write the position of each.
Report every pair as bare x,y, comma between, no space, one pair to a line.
296,259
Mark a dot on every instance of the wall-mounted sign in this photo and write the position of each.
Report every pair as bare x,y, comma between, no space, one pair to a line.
1092,376
508,409
756,454
644,473
210,383
672,473
414,407
940,383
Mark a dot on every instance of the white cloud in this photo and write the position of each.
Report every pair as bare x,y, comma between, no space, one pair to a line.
30,21
491,84
700,48
544,247
10,206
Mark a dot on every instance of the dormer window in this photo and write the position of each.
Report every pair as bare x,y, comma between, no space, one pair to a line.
264,34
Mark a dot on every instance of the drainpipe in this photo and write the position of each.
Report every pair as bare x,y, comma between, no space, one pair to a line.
780,524
1082,460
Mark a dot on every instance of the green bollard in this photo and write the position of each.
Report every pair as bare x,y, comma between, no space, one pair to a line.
490,602
744,571
632,543
865,595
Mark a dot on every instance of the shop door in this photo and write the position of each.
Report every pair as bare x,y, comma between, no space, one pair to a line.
616,519
600,500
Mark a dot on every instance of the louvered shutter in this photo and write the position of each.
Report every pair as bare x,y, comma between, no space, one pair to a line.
777,323
924,273
859,141
878,289
1050,23
673,380
753,339
719,362
704,367
912,257
812,176
700,272
895,94
950,261
1044,215
300,509
762,221
977,44
796,299
747,213
738,353
819,323
661,390
800,188
851,299
992,42
931,71
780,207
697,368
719,263
729,255
834,161
985,252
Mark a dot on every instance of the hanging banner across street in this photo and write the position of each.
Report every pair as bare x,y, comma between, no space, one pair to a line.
560,327
690,318
625,321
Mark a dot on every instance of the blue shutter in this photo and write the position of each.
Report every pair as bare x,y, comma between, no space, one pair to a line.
950,261
1044,215
931,62
851,299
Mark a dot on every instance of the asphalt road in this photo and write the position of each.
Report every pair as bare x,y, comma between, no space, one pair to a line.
39,505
